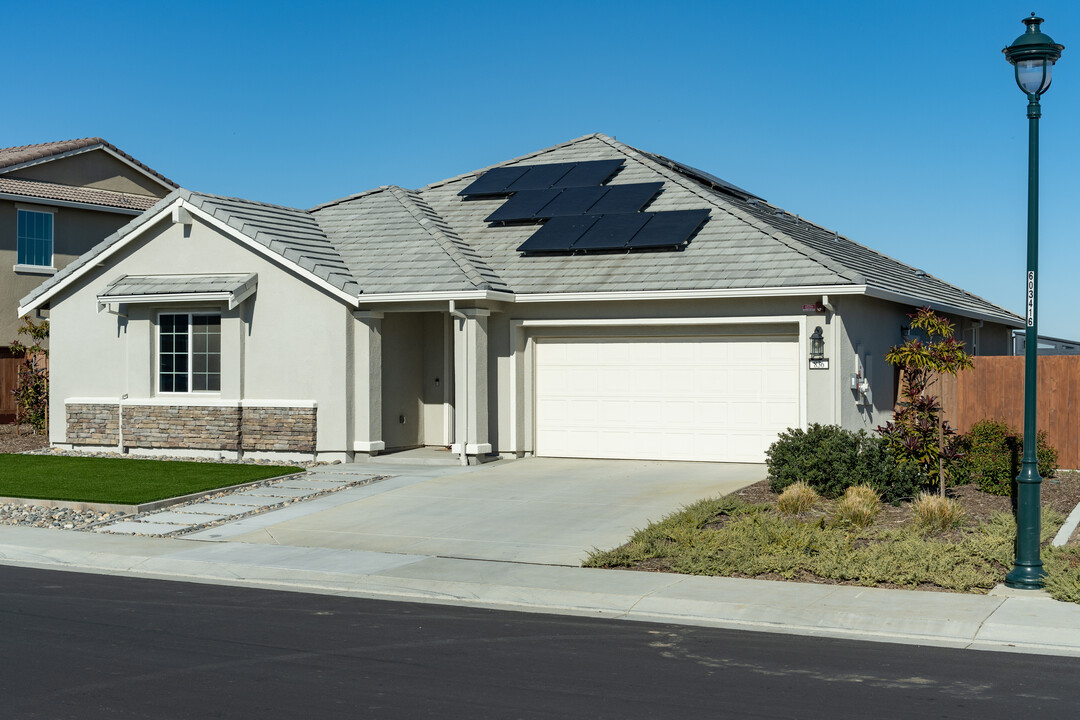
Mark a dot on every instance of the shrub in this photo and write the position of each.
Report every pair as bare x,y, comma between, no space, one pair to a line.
859,506
936,513
831,459
992,454
798,497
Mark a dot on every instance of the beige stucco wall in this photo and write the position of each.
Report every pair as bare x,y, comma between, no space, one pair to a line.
94,169
875,325
510,366
286,343
74,232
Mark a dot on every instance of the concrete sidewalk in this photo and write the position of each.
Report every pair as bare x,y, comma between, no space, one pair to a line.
1030,622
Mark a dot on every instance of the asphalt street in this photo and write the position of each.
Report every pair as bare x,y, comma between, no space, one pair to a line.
94,646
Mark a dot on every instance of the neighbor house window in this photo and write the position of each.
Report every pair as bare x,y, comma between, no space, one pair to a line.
189,352
35,244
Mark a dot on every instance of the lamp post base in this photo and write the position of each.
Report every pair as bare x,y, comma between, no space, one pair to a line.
1026,577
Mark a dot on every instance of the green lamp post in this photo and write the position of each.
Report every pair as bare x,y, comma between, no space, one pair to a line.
1033,54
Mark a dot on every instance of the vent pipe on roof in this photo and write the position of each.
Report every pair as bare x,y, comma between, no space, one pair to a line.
920,273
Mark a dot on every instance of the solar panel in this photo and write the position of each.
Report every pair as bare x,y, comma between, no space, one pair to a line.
611,232
541,177
573,201
558,234
668,229
524,205
590,173
494,181
625,198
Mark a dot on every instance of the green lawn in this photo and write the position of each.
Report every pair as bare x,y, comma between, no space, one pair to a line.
118,480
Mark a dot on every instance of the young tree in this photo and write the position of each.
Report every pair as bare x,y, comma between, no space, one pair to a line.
917,433
32,385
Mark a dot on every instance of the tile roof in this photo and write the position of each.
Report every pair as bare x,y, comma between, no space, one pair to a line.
71,193
131,285
17,156
392,240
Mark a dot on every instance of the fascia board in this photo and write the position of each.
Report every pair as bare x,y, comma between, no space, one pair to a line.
495,295
268,253
98,259
944,307
69,203
692,294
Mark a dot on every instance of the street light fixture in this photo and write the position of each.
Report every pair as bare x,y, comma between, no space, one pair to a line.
1033,55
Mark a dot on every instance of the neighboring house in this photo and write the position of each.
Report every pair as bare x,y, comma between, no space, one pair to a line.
57,200
587,300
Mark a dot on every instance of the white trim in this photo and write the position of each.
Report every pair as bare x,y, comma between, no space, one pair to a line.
266,252
224,296
674,322
472,448
74,204
368,446
310,404
92,401
692,294
497,295
191,315
34,269
944,307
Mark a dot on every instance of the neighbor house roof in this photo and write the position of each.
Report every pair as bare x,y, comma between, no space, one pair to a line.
24,155
407,242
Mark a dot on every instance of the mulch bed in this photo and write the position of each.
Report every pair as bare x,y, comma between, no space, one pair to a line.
15,439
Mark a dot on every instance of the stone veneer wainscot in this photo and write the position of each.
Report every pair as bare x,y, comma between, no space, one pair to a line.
194,427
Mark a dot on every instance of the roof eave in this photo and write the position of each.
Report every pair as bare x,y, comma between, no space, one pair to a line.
1008,320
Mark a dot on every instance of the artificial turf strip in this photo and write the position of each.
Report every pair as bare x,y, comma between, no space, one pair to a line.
119,480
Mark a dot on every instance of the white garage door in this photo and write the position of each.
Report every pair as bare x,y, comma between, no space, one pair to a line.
721,399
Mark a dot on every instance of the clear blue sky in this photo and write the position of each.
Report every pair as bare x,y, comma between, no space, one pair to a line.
897,124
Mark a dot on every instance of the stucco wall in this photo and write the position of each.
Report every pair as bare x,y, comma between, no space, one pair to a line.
74,232
286,343
96,169
510,380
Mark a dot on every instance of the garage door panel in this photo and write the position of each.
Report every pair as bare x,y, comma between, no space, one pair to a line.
717,399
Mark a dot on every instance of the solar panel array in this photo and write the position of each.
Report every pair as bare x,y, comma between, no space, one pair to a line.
579,212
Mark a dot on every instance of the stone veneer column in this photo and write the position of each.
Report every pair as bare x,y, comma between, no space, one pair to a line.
471,381
367,382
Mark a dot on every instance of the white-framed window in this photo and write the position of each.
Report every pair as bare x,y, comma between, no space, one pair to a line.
189,352
35,238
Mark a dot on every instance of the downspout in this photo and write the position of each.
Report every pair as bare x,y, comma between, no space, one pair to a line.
462,432
120,422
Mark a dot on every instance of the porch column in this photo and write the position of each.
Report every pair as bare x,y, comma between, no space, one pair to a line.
471,382
366,372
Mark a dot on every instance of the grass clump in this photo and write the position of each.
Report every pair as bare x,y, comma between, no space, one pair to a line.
859,506
797,498
934,513
120,480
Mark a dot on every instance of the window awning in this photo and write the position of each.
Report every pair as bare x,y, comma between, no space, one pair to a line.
144,289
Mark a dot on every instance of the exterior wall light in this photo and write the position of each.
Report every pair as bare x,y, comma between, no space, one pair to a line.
817,345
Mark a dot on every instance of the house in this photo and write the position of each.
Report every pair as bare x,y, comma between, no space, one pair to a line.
57,200
587,300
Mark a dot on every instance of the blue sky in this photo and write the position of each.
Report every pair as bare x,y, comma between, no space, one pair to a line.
897,124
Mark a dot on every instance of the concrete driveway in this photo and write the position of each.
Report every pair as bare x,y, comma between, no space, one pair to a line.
537,510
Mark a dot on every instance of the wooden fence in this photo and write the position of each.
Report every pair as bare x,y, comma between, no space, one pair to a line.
994,389
9,374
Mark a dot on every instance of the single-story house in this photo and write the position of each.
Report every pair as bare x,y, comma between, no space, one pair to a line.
586,300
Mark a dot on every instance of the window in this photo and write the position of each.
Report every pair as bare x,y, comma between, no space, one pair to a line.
35,244
189,352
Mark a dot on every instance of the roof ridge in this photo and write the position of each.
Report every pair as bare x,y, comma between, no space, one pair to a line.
348,198
476,270
527,156
246,201
712,197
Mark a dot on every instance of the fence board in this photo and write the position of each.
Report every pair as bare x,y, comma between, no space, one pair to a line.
994,389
